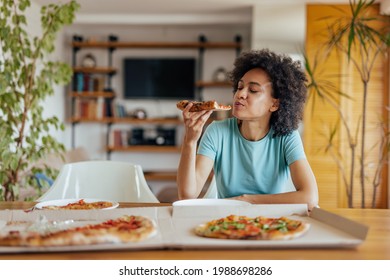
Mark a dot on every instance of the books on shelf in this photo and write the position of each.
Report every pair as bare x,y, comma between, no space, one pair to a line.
97,108
90,108
119,111
119,138
88,82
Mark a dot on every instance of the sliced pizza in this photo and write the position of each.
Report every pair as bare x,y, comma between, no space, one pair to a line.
121,230
198,106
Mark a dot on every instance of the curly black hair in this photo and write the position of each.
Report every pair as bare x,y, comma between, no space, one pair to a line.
288,85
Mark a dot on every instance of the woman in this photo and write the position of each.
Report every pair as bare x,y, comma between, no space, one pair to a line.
254,153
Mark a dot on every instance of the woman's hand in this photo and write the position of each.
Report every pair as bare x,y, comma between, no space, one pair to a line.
194,123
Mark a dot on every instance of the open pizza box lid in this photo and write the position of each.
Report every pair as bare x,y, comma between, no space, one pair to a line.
175,227
326,229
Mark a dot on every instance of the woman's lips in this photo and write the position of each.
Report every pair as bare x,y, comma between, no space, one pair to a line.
238,104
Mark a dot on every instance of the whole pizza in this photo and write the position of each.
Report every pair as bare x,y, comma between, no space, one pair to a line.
258,228
120,230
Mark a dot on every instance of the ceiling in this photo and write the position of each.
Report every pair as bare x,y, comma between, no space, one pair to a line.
174,11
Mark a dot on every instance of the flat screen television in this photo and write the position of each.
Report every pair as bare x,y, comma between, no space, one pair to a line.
159,78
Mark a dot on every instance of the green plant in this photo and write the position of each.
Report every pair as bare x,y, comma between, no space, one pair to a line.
27,77
353,35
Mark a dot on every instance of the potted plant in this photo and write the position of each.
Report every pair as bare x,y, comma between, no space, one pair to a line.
27,77
360,37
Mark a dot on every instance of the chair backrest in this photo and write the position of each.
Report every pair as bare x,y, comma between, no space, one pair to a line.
110,180
212,189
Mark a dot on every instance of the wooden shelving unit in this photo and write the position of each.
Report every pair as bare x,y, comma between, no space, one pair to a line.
108,96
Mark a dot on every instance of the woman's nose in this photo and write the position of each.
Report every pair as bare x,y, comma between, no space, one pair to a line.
242,93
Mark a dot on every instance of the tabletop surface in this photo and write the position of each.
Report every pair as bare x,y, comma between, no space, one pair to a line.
375,247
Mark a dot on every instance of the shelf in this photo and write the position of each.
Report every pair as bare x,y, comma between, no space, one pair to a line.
92,94
161,45
160,176
213,84
95,70
147,121
89,120
129,120
145,148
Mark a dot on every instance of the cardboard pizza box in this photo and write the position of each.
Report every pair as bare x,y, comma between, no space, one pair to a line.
326,229
175,227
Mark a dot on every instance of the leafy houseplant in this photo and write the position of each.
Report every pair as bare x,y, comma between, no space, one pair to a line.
360,36
27,77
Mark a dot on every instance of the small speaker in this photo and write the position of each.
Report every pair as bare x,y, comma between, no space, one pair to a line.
137,136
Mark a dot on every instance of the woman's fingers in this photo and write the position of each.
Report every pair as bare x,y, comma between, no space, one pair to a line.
197,118
194,122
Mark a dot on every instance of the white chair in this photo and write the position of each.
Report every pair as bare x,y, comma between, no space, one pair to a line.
110,180
211,190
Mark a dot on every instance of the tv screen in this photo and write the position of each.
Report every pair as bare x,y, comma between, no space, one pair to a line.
159,78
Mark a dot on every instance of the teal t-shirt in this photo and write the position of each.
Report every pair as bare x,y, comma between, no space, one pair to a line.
249,167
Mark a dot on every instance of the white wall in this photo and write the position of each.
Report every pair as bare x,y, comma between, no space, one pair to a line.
281,28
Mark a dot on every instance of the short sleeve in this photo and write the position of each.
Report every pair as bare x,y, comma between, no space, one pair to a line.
208,142
293,148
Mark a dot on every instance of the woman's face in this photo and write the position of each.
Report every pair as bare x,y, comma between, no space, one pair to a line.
253,99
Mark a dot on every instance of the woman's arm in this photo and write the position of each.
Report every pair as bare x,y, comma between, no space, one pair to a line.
190,184
193,170
304,181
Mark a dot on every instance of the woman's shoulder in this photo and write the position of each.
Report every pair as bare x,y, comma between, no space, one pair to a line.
291,139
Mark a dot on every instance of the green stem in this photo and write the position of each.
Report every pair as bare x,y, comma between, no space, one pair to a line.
362,158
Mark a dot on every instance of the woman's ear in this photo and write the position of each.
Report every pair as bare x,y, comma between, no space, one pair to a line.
275,105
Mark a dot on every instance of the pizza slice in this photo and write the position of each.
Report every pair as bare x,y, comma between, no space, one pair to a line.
282,228
202,105
230,227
